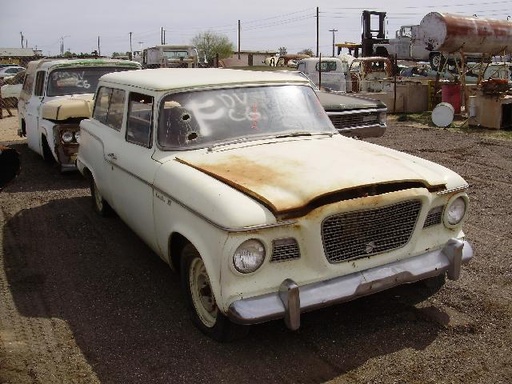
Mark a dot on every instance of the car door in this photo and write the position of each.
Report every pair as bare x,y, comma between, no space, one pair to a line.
132,168
101,134
31,106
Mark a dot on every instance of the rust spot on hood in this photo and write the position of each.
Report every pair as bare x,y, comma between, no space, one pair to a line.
293,178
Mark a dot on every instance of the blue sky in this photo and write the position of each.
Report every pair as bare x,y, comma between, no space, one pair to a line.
264,25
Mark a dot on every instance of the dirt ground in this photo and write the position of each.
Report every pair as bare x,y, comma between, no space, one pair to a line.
83,300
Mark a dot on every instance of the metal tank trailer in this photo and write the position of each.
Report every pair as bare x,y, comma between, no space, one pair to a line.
454,33
473,37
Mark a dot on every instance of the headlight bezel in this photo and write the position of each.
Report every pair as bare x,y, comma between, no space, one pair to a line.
455,211
67,137
249,256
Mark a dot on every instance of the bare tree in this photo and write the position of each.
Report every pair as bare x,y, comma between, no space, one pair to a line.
211,45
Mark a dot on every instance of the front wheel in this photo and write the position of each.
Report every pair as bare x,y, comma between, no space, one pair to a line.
47,152
99,204
201,300
437,61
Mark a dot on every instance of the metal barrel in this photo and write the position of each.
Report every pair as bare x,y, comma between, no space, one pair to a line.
455,33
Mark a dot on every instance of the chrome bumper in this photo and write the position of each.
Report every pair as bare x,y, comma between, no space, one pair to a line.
292,300
364,132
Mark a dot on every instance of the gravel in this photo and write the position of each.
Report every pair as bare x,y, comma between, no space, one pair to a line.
83,300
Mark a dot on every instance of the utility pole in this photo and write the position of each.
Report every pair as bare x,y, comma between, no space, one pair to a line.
317,30
162,36
62,44
131,49
333,39
238,40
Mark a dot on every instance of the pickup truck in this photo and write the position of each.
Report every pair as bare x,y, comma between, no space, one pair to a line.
56,95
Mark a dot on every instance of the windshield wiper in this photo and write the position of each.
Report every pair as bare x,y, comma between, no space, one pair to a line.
294,134
304,133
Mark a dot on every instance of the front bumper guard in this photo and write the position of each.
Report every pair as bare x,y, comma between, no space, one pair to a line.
292,300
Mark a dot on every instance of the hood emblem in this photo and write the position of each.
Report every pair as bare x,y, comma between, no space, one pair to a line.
370,247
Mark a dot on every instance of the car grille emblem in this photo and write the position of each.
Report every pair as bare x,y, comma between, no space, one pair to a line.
370,247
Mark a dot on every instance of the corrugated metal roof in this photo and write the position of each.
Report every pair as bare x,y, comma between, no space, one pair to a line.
17,52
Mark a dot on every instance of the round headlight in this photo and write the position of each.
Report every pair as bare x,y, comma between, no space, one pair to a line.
67,136
77,136
455,211
249,256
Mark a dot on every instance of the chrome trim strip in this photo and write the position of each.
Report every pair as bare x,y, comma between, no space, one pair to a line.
345,288
457,189
191,210
357,111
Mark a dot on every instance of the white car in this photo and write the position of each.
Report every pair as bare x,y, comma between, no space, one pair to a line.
11,89
9,71
55,96
239,181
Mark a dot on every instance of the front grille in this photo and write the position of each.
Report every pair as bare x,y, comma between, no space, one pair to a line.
285,249
351,120
434,217
365,233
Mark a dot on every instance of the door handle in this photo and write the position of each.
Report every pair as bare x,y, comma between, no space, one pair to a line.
112,156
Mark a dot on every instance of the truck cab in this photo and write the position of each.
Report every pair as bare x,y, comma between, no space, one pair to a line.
56,95
170,56
329,73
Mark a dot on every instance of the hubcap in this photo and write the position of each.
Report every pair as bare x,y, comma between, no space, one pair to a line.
202,295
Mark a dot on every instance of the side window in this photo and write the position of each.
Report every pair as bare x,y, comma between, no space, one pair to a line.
109,107
28,83
326,66
38,89
101,104
140,119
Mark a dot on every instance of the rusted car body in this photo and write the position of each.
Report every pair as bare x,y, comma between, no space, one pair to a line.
370,74
354,115
56,95
351,114
239,181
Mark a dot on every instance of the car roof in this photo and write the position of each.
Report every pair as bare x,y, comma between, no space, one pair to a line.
315,59
162,79
47,64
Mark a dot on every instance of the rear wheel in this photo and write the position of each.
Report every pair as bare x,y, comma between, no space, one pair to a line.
201,300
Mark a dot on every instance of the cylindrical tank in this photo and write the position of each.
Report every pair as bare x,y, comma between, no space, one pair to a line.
450,93
453,33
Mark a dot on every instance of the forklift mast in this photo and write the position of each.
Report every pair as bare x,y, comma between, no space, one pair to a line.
372,36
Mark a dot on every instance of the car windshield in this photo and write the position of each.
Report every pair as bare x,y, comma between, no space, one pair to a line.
204,118
69,81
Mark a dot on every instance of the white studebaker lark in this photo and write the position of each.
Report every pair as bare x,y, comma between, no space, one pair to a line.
239,180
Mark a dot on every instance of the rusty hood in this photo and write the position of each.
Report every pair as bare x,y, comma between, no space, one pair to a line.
68,107
289,175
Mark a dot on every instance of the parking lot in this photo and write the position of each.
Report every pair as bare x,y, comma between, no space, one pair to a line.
83,300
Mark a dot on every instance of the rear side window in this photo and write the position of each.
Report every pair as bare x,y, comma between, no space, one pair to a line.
109,107
140,119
